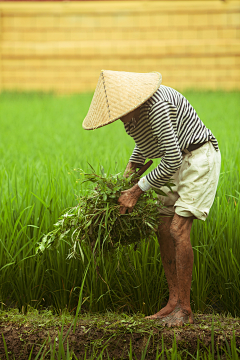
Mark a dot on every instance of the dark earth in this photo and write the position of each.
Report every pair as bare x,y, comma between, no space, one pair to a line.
23,333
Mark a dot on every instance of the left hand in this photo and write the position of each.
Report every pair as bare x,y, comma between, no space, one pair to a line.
129,198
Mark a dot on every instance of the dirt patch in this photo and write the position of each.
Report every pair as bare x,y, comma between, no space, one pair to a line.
23,333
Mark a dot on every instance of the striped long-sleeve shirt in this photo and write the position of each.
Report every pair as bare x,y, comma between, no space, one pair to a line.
167,124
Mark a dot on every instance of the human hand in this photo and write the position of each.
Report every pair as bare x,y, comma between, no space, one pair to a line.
130,169
129,198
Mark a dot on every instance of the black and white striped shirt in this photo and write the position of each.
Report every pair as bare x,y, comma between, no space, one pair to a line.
167,124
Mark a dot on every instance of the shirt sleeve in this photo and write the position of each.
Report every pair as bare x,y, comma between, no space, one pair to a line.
160,119
137,156
144,184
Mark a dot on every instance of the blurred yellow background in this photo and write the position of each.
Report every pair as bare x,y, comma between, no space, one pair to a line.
62,46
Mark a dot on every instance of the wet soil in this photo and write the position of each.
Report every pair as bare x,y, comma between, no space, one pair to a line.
23,333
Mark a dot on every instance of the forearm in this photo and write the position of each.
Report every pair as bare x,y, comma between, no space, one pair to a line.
162,173
131,168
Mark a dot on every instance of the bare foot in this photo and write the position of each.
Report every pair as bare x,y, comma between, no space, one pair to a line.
178,318
167,310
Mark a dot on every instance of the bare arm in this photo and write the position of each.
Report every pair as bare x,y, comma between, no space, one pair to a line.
131,168
129,198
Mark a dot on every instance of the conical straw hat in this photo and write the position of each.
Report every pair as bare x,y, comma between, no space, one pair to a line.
117,94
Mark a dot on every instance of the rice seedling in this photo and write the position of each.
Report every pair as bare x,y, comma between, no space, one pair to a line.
60,349
96,220
42,142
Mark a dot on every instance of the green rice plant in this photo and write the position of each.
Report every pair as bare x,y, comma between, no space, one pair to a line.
216,274
41,143
57,351
97,219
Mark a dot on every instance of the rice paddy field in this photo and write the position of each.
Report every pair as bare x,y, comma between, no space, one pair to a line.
42,148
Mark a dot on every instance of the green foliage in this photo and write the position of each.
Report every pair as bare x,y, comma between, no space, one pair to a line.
96,221
41,142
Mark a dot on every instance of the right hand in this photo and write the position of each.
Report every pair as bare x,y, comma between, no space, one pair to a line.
130,169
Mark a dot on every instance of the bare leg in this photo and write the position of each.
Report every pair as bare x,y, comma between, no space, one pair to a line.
168,256
180,230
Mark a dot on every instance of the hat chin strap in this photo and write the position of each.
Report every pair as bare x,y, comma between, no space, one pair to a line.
133,122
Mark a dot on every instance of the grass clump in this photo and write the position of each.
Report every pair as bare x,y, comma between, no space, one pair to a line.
41,335
96,221
38,181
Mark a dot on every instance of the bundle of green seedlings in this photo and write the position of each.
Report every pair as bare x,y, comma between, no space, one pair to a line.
96,221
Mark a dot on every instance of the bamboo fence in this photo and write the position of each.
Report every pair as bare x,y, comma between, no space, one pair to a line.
62,46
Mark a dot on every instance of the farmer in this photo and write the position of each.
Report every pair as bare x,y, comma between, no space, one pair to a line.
163,125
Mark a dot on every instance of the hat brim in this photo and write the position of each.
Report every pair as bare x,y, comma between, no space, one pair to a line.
118,94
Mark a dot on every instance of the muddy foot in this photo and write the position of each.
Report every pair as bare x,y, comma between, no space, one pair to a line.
167,310
178,318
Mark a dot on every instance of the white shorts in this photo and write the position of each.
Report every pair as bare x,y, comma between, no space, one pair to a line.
196,184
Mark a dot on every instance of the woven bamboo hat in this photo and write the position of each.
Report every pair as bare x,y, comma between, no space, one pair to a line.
117,94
